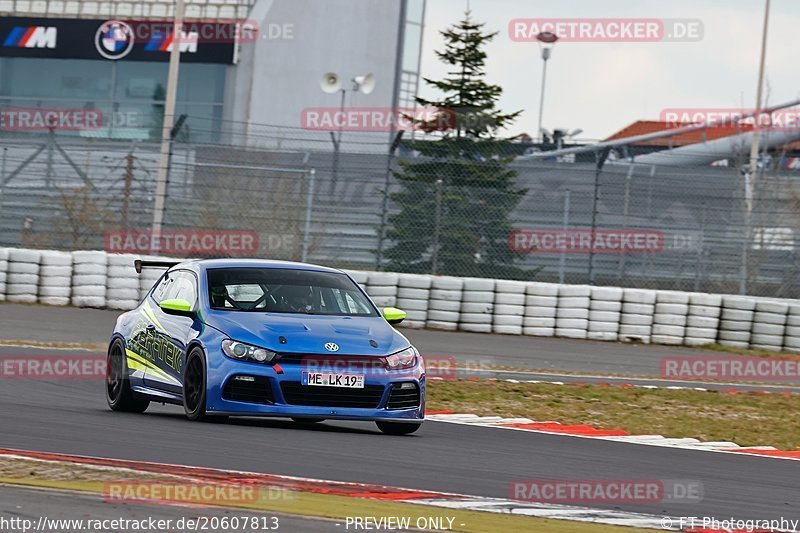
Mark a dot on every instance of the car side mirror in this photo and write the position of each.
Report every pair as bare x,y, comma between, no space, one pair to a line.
393,315
176,306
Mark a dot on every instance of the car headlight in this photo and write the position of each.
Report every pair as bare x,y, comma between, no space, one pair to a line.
405,359
246,352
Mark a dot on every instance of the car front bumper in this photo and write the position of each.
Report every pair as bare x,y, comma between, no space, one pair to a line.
282,389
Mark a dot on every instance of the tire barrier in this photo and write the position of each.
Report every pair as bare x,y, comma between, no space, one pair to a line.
605,310
769,324
509,307
444,306
791,342
702,320
638,312
413,293
22,275
3,273
736,321
541,302
572,312
479,305
123,289
55,278
89,278
669,320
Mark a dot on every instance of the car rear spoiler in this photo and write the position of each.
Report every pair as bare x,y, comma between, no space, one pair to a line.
138,264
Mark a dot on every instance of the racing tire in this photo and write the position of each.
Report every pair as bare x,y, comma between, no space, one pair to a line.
119,395
398,428
194,387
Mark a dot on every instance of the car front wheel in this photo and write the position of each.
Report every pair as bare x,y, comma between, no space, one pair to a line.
194,386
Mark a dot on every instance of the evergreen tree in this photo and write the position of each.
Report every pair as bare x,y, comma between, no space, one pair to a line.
457,195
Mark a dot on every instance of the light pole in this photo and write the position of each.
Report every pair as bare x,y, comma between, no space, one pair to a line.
751,173
546,41
331,83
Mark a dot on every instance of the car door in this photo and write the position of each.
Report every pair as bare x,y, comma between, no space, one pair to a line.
144,337
171,333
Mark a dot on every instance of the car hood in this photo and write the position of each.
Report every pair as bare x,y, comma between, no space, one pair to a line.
309,334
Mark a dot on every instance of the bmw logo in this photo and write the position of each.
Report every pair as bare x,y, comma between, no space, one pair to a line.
114,39
332,347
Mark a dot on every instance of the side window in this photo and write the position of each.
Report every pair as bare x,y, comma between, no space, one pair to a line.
162,289
184,287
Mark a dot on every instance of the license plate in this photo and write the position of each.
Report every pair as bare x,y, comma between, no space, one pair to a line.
326,379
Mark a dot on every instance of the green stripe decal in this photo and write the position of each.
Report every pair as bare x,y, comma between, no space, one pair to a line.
152,370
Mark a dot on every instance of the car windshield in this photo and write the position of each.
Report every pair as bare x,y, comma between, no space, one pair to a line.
282,290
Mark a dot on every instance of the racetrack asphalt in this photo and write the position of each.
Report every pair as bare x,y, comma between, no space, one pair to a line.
70,416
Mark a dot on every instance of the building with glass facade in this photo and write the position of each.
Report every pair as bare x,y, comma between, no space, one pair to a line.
112,57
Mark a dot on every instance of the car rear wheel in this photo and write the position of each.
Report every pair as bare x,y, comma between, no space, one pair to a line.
194,386
398,428
118,387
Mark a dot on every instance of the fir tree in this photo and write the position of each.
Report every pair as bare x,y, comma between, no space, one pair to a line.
457,195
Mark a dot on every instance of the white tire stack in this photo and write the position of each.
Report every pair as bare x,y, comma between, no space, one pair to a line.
122,287
791,340
702,322
382,288
769,324
736,323
477,305
605,311
669,320
638,310
89,275
55,278
444,305
22,279
541,302
572,313
413,292
3,272
509,307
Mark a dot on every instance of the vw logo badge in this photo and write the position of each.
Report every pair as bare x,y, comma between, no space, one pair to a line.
114,39
332,347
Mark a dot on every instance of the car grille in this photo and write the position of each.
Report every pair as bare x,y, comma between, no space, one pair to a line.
403,398
257,391
296,393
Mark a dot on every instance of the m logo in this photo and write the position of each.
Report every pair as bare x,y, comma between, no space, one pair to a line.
332,347
162,42
32,37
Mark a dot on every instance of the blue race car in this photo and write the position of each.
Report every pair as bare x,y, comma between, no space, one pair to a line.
249,337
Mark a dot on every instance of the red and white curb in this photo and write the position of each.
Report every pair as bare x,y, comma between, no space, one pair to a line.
616,435
362,490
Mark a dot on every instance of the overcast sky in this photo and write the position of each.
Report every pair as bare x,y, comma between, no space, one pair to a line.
602,87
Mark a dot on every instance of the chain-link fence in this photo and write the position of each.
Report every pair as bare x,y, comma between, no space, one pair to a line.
689,228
